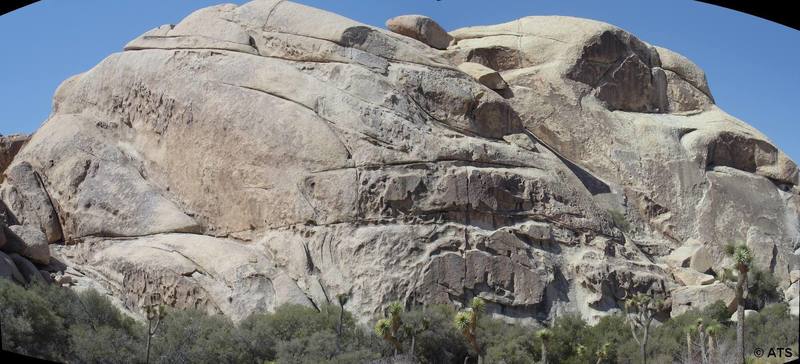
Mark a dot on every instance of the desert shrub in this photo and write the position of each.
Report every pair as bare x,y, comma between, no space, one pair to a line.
762,289
772,327
29,325
619,220
510,344
295,333
193,336
440,343
58,324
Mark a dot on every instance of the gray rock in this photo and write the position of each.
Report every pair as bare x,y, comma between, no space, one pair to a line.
9,270
28,271
421,28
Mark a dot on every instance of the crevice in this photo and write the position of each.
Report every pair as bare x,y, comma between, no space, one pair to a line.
593,184
201,270
472,163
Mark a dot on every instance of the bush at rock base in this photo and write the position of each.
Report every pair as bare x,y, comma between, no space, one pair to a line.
59,324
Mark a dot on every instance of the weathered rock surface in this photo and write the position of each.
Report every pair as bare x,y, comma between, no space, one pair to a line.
271,152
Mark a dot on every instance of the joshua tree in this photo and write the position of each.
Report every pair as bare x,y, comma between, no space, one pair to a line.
384,329
467,323
700,328
640,310
388,328
155,313
688,330
544,335
342,298
603,353
742,259
712,330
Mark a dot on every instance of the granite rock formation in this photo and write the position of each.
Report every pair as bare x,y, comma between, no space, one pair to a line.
271,152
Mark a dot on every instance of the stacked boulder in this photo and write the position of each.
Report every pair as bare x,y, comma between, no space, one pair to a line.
690,265
24,246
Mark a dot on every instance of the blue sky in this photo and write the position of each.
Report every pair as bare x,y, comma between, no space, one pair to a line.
750,62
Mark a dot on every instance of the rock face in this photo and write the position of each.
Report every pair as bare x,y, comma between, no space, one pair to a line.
270,152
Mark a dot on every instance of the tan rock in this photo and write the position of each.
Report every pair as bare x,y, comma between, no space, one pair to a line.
421,28
485,75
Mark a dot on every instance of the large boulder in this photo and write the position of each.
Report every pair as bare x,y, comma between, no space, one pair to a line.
691,277
267,153
30,242
26,198
9,270
485,75
421,28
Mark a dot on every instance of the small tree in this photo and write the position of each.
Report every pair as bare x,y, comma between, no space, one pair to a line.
742,259
155,312
544,335
640,310
467,323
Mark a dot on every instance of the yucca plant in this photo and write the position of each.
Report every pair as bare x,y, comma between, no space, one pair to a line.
467,323
388,328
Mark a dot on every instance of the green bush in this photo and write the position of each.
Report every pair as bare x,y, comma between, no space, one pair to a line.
58,324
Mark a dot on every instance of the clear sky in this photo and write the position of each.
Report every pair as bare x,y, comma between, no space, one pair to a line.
751,63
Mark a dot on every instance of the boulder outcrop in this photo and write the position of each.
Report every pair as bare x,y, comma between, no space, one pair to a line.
254,155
